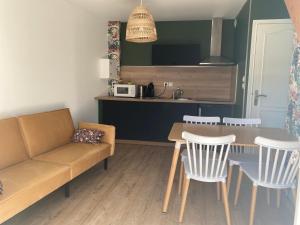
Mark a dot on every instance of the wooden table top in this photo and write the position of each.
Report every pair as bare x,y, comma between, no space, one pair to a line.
244,135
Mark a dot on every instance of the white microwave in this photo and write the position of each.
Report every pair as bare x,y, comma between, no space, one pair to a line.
125,90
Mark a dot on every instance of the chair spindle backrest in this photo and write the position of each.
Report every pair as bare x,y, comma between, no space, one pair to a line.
278,161
249,122
209,120
207,155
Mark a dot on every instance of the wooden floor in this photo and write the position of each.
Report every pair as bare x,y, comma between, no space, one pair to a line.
131,193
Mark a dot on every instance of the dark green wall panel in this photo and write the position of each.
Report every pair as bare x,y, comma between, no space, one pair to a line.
268,9
134,54
228,39
241,38
177,32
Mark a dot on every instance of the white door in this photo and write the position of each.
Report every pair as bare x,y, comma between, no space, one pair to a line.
270,61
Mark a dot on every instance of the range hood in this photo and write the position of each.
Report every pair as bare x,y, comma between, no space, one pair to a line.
215,58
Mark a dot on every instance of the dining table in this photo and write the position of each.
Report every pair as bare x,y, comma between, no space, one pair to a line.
245,137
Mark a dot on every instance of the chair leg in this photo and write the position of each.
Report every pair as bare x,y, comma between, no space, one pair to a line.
229,177
218,191
294,192
238,187
180,178
253,204
226,205
268,196
185,188
278,198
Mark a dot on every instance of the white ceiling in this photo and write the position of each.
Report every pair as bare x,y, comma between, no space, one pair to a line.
164,10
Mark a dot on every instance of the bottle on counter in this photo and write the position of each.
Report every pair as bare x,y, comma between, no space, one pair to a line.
141,91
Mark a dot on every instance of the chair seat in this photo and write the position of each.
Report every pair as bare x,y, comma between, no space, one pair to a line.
190,175
252,171
238,158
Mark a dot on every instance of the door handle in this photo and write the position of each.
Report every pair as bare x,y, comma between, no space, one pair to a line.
257,96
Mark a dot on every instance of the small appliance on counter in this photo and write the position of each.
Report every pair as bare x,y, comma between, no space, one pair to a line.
125,90
146,91
142,91
150,90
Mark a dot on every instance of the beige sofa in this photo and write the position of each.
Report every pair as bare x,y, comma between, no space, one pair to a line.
37,157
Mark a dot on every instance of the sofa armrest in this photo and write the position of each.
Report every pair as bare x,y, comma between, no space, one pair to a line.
110,133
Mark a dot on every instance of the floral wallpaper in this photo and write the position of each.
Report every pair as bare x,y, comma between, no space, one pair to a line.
114,49
293,117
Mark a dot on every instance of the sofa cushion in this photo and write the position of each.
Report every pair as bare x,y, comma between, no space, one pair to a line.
45,131
28,182
80,157
12,148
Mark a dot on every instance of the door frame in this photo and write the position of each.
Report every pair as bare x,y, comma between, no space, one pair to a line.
251,75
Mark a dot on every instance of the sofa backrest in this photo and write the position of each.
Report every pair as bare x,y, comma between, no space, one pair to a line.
45,131
12,147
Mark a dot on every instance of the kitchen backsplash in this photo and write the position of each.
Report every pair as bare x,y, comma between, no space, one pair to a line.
217,83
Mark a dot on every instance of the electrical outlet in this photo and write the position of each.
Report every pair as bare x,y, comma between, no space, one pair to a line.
168,84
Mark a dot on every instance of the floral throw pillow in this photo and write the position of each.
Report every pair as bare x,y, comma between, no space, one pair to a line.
1,187
88,136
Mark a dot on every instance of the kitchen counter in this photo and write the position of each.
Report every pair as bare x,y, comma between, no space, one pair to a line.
167,100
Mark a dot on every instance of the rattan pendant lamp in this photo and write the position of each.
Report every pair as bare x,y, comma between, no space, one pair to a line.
140,26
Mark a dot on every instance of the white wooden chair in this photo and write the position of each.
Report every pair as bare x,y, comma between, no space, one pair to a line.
276,167
206,161
239,154
207,120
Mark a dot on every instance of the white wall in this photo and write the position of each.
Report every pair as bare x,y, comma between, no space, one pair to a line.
48,58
